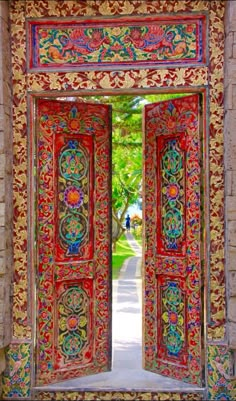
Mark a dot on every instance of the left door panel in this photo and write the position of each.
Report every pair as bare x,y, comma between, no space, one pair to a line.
72,237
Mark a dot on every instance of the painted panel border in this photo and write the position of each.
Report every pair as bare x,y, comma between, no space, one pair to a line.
117,43
119,396
85,82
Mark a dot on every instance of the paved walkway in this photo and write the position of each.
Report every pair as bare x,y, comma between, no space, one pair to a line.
127,307
127,373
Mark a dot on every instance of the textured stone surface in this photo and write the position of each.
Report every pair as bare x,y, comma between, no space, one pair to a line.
232,233
232,309
231,207
232,283
232,335
231,258
230,17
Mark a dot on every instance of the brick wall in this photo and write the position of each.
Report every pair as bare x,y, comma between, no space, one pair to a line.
5,182
230,165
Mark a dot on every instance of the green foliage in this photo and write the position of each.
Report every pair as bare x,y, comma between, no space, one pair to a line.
137,233
127,151
123,251
136,220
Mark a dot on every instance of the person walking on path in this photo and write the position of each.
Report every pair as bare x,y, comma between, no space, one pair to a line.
127,223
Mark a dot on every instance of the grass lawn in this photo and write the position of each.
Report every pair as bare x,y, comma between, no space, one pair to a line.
123,251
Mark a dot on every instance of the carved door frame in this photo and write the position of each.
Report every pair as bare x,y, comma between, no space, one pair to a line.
206,78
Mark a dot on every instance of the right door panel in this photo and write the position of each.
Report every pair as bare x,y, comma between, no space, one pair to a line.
172,261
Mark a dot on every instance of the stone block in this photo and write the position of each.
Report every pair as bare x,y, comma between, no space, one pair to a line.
230,71
5,49
232,283
2,311
228,182
230,209
2,165
230,16
8,147
230,137
5,91
234,182
234,51
232,335
2,286
2,265
2,190
2,214
229,45
231,259
228,96
232,233
2,113
2,239
8,239
231,310
4,10
234,95
1,335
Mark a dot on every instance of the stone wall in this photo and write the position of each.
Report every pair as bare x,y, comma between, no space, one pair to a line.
5,182
230,165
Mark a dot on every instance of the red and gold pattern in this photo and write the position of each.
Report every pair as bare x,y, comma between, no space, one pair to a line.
107,81
118,396
69,136
172,304
216,289
116,42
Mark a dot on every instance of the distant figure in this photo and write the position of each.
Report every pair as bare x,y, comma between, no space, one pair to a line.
127,224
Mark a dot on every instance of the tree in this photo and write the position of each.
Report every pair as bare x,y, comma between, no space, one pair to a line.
126,152
126,158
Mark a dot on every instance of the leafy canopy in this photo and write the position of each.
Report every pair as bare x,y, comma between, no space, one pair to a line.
127,151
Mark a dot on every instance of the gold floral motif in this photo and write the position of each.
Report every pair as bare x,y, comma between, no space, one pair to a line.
21,329
108,8
177,77
105,7
220,371
121,396
217,281
16,378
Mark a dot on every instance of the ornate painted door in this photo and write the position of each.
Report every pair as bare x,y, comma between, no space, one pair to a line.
73,252
172,268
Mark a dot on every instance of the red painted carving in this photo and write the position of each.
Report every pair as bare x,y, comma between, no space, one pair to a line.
173,246
73,243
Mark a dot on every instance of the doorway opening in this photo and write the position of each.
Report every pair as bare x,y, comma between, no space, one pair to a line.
127,369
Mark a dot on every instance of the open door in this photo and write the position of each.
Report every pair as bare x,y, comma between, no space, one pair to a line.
172,261
73,231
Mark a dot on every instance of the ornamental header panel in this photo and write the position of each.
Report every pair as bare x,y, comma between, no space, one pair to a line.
116,42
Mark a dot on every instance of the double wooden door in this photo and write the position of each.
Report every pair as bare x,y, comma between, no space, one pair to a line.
73,239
